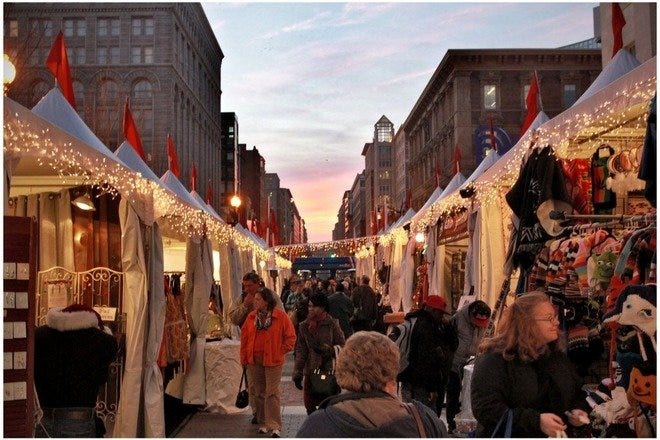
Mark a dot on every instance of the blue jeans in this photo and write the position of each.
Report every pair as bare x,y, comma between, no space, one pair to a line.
67,422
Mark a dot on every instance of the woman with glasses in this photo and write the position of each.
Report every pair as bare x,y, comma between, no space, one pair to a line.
523,368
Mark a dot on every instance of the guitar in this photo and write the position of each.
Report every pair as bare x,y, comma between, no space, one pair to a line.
499,306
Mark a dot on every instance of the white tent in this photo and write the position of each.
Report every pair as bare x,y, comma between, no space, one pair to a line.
405,218
622,63
491,157
208,209
174,184
452,186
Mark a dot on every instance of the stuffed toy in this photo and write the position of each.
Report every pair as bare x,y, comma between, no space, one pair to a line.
636,306
603,268
642,385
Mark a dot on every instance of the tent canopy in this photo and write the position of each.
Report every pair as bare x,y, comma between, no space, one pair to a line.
622,63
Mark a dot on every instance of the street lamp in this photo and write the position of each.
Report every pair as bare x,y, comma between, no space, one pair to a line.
9,72
235,202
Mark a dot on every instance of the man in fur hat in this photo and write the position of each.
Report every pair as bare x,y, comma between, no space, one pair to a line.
72,353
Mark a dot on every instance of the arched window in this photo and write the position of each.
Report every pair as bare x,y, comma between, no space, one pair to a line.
39,90
107,119
108,93
79,93
141,90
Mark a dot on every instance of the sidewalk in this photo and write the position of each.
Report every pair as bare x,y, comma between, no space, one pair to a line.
213,425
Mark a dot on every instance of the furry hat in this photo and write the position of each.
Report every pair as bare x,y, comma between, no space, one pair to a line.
636,305
74,317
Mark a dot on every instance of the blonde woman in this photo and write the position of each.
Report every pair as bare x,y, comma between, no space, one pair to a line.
522,368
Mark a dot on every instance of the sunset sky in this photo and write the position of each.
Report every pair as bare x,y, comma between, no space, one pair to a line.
308,81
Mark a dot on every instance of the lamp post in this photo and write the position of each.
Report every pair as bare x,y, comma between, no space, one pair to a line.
9,73
235,203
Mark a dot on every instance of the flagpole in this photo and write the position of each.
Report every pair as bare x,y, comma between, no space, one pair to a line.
538,86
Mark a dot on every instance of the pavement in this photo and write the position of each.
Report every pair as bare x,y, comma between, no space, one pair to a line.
203,424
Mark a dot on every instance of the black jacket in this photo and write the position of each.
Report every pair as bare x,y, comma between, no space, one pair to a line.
340,307
376,414
549,384
432,350
316,350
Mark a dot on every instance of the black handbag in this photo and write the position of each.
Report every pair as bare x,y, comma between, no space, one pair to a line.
243,397
323,384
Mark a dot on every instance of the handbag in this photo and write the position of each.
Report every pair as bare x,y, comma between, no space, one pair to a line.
322,383
243,397
506,421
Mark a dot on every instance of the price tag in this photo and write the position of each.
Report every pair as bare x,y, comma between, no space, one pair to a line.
10,300
23,271
10,271
9,330
21,300
9,361
20,330
108,314
20,360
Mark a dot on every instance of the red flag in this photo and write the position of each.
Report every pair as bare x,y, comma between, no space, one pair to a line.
209,193
193,178
618,22
172,159
58,64
457,159
131,132
438,173
493,140
532,104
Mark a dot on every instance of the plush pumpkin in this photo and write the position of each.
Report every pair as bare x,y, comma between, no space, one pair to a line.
642,386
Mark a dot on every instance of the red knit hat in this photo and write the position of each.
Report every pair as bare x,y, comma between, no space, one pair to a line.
436,302
84,308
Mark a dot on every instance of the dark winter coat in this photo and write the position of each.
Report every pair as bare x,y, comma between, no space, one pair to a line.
549,384
365,303
316,350
340,307
469,338
376,414
431,352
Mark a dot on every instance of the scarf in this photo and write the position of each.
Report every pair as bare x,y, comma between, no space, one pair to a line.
313,323
263,319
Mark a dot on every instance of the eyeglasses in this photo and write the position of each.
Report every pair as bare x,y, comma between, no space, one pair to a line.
549,318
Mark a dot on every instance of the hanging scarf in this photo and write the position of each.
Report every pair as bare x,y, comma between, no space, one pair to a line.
263,319
313,323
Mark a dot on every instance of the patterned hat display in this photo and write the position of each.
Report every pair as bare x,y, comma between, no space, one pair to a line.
636,305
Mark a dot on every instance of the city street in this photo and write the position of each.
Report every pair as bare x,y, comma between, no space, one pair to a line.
213,425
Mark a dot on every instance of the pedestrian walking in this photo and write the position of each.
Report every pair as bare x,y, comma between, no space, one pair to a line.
340,307
470,323
365,303
266,336
317,336
433,341
523,368
369,407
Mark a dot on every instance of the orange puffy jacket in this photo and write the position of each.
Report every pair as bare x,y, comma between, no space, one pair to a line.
280,339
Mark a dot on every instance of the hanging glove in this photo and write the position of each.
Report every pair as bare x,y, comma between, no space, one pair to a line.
297,380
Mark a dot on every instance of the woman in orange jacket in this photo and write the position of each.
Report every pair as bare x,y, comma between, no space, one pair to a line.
266,336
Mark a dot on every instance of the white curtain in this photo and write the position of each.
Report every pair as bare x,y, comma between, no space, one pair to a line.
135,307
396,271
490,239
406,280
431,257
199,279
470,257
437,273
154,404
226,278
55,230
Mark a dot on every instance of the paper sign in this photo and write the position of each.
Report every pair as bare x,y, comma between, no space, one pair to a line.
57,295
9,391
10,271
23,271
107,313
21,300
20,391
20,330
9,361
9,330
10,300
20,360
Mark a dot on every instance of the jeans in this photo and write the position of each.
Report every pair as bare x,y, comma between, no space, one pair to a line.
67,422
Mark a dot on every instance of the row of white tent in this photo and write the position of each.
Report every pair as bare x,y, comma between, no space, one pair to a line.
51,147
619,94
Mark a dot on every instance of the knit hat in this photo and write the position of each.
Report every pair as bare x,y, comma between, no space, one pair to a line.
319,300
636,305
436,302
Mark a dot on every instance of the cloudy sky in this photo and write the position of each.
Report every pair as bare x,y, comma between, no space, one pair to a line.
308,81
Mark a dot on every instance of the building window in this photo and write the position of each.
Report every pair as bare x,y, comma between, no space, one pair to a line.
142,55
77,27
490,97
79,93
102,55
143,26
13,28
108,55
48,28
108,93
78,55
108,26
142,90
102,27
148,52
570,95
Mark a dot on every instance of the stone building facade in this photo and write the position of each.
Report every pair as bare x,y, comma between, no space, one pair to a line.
639,32
378,175
163,56
471,86
357,212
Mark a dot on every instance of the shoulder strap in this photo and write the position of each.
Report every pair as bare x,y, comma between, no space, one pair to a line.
412,409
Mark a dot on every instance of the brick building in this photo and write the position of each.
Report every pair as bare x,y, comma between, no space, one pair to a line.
378,180
252,190
163,56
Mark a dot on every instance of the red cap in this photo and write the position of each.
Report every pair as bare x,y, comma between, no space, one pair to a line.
84,308
436,302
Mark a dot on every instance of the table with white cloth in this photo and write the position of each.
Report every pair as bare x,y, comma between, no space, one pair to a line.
222,363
